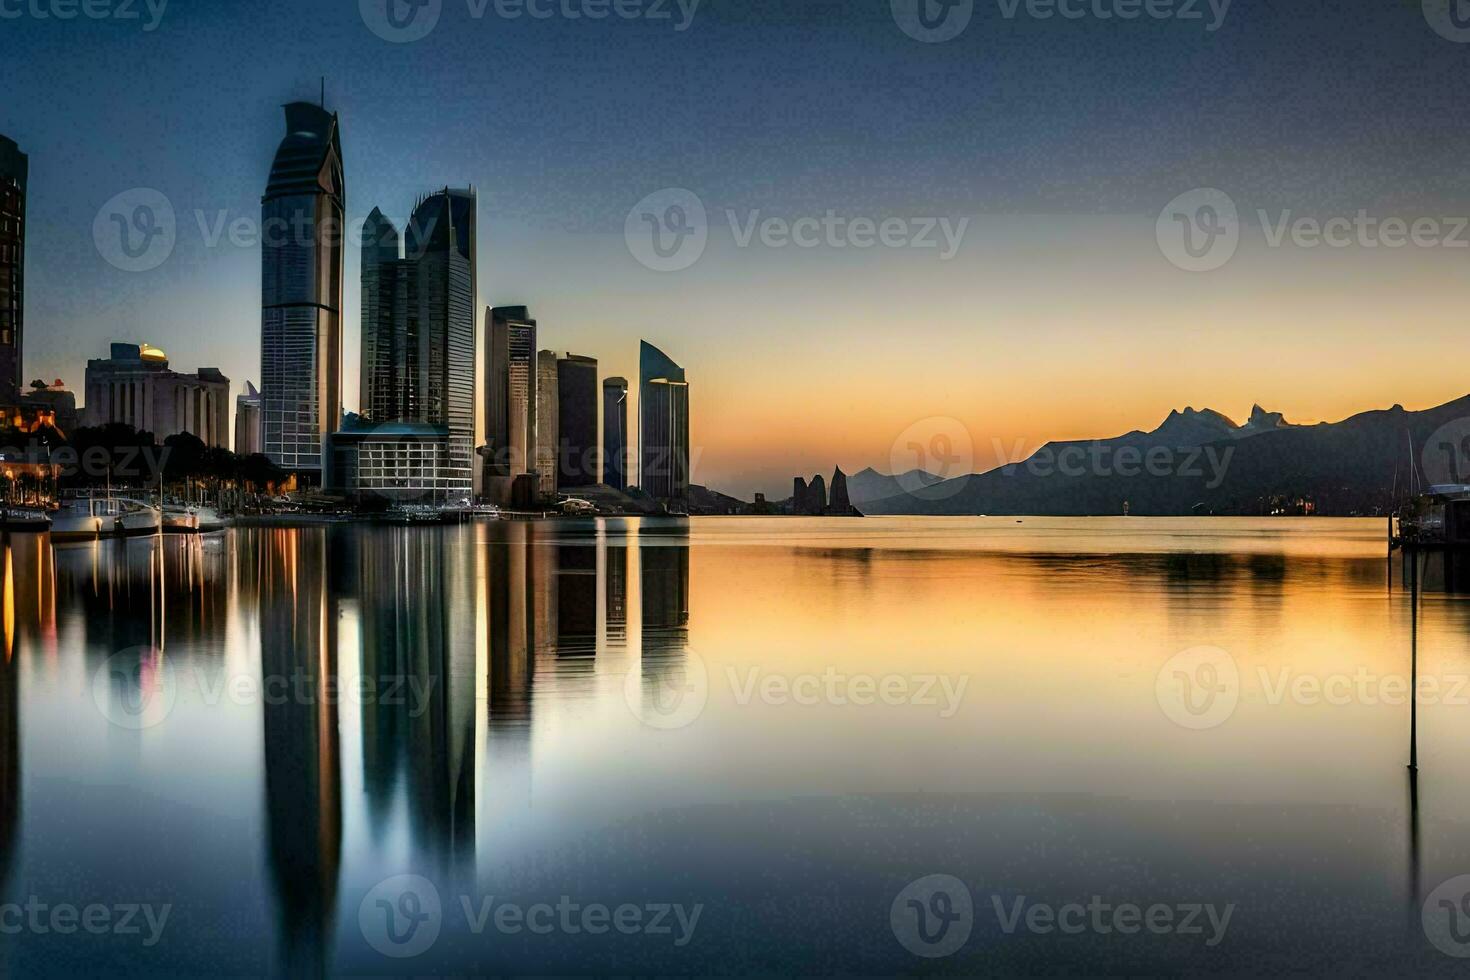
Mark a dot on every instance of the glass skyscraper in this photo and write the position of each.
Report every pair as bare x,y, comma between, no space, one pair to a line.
615,433
418,321
301,292
440,249
13,170
576,450
510,394
663,426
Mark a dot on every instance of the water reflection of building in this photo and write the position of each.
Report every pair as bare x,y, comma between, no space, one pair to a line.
418,660
615,566
302,753
9,728
576,600
663,555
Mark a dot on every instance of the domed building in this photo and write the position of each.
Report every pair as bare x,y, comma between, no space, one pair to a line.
135,386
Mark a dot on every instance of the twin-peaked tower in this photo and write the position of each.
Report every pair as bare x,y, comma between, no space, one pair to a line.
418,320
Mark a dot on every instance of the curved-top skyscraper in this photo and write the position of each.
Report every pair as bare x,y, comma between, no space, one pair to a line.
301,292
663,426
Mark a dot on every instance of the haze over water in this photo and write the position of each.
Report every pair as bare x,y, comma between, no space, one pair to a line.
672,712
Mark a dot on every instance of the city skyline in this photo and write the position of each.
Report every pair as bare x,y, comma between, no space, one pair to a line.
1029,303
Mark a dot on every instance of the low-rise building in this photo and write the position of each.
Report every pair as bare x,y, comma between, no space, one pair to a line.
135,386
396,462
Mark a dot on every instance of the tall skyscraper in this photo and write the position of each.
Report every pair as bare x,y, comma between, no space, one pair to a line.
386,359
418,321
247,421
440,243
548,424
615,433
663,426
14,167
576,452
510,395
301,291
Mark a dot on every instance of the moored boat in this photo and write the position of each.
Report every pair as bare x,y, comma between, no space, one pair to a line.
25,519
80,519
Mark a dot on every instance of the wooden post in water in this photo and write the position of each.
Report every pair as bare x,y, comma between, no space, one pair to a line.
1413,658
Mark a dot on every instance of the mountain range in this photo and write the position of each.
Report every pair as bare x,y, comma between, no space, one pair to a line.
1202,462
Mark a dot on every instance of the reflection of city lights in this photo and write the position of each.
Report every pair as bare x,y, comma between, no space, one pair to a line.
9,606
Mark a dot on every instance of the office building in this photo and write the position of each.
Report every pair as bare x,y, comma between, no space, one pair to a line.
397,462
418,321
663,427
615,433
386,358
136,387
301,292
247,421
578,463
510,398
14,168
547,422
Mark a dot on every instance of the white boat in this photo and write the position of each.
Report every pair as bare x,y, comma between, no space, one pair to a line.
137,517
208,519
81,519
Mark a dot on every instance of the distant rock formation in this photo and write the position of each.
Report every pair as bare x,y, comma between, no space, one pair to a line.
840,506
810,498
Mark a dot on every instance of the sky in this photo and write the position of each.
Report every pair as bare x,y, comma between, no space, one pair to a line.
1050,148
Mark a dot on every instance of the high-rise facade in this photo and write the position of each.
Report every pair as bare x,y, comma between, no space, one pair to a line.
577,450
247,421
301,291
14,167
418,321
386,360
440,245
663,426
615,433
548,421
510,396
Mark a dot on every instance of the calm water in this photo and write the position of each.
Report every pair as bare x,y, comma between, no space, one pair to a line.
777,724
